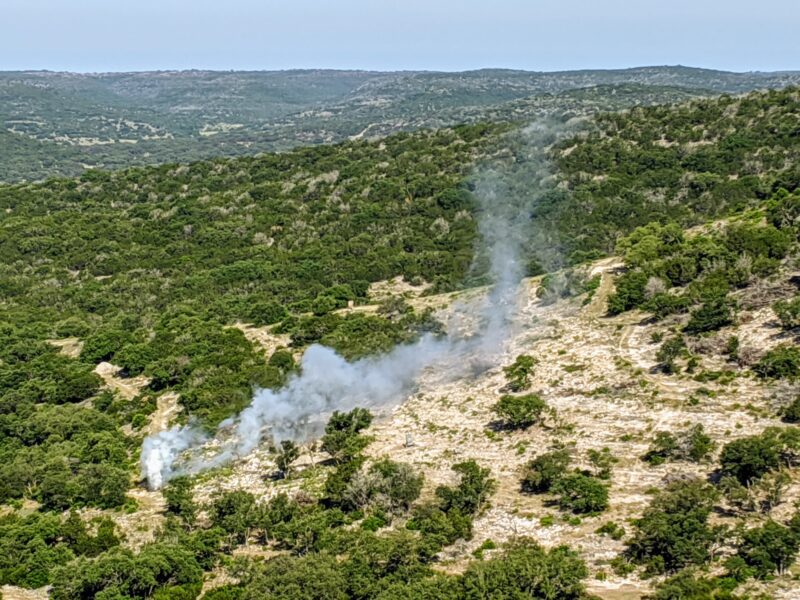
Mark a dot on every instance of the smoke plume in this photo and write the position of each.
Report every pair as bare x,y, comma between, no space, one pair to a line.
326,382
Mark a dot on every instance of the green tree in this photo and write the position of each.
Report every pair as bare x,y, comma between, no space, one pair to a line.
769,549
544,471
748,458
179,499
581,494
674,532
526,570
342,440
520,412
788,312
285,456
518,374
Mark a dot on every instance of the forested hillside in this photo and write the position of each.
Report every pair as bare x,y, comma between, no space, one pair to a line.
643,434
64,123
147,265
688,164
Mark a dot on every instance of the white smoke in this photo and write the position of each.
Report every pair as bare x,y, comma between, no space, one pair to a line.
327,382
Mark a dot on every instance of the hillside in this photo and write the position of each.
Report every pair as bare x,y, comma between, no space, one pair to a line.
63,123
620,422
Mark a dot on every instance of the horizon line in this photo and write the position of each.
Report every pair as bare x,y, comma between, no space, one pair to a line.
390,71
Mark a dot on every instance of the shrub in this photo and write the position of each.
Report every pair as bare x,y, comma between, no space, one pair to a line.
732,347
670,350
782,362
791,414
582,494
386,486
450,518
788,312
686,585
315,575
749,458
133,359
473,490
179,499
693,445
630,292
266,312
712,315
71,327
283,360
757,240
518,373
544,471
400,483
673,532
286,455
120,573
236,513
602,460
769,549
783,210
520,412
526,570
664,304
342,440
323,304
103,345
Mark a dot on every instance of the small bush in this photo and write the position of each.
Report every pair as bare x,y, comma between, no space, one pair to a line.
791,414
692,445
630,292
712,315
788,312
582,494
612,530
518,374
782,362
668,352
544,471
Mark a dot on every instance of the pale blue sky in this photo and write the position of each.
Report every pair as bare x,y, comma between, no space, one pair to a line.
121,35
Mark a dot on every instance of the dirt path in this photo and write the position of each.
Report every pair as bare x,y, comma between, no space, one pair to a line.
167,408
128,388
10,592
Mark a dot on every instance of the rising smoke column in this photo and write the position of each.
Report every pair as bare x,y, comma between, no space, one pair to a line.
506,192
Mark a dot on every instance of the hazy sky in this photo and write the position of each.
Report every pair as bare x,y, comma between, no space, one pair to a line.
119,35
